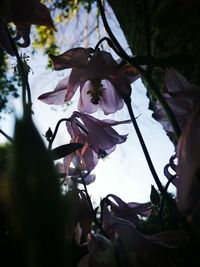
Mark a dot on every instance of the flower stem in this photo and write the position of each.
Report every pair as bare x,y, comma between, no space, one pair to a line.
144,148
23,74
55,132
91,206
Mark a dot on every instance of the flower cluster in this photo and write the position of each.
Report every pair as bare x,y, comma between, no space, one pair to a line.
102,82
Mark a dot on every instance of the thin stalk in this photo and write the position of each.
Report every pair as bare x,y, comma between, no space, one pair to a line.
110,43
55,132
91,206
130,60
144,148
22,72
6,136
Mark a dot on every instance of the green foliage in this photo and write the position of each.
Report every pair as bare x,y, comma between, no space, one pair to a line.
8,83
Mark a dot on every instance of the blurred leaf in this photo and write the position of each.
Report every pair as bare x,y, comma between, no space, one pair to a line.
34,198
64,150
154,196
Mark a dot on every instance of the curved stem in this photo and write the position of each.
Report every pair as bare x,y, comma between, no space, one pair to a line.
144,148
55,132
131,61
110,43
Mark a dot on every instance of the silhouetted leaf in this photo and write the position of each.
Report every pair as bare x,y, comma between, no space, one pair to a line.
64,150
154,196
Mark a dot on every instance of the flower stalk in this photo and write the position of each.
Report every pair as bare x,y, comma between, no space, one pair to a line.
144,148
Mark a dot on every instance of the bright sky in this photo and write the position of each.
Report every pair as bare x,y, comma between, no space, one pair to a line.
125,172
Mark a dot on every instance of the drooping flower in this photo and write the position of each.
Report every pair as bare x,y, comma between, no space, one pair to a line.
137,249
23,14
98,137
182,96
128,211
101,79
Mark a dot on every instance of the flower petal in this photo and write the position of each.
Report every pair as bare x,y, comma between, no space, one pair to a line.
85,104
110,101
73,58
56,97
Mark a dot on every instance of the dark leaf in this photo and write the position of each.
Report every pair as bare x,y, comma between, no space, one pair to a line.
154,196
64,150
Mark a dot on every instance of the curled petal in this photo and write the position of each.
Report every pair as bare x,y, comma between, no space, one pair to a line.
73,58
128,211
30,12
56,97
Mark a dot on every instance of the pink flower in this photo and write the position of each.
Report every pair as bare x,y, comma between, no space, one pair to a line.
101,79
98,137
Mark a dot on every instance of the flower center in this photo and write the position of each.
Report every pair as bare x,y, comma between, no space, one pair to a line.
96,92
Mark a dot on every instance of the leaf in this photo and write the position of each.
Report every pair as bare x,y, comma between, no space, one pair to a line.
64,150
154,196
34,197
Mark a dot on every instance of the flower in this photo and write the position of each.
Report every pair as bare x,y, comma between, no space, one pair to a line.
101,79
182,97
98,137
134,247
22,13
128,211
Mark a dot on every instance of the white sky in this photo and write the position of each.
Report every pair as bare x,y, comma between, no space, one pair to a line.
125,172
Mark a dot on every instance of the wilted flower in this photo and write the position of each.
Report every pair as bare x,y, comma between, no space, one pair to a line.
101,79
23,14
98,137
